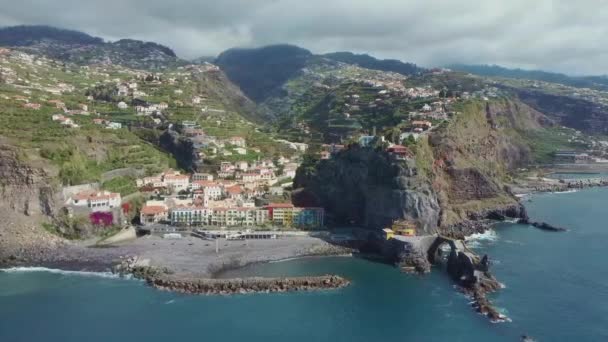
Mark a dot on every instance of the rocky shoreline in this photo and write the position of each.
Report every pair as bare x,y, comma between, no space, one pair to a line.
558,185
192,280
479,222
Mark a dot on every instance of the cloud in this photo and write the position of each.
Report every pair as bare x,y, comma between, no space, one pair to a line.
555,35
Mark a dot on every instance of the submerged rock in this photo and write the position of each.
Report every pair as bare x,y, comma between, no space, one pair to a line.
548,227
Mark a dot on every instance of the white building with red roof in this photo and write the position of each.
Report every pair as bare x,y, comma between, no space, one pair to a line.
238,141
98,200
153,214
235,192
177,182
211,190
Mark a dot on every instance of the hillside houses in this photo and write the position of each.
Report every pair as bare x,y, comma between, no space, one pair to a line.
64,121
34,106
57,103
237,141
221,202
301,147
421,125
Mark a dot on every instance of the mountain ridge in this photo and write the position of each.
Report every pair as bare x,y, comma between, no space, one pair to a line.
599,82
81,48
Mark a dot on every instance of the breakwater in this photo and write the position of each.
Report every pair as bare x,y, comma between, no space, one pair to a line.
247,285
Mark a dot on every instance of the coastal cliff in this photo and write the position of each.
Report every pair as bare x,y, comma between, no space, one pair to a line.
25,189
456,178
28,199
363,186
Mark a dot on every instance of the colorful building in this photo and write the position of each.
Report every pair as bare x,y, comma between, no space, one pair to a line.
287,215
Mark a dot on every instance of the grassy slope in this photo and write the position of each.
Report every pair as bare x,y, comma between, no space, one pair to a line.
470,142
82,155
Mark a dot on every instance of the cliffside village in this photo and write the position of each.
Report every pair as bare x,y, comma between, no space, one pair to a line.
200,199
232,198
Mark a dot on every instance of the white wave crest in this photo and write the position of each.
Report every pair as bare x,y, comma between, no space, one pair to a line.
63,272
565,191
476,240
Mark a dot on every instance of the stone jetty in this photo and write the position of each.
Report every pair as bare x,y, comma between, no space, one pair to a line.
247,285
164,279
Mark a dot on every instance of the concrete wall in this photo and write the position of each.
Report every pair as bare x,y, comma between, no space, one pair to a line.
126,172
69,191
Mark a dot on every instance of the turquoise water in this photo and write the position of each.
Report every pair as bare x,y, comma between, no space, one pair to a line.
556,290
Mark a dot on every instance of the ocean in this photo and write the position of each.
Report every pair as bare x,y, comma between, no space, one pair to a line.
556,289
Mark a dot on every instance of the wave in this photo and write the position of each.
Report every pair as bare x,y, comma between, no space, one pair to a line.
64,272
488,235
285,260
565,191
476,240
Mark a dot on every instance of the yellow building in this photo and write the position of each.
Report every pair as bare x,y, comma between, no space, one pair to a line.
405,228
388,233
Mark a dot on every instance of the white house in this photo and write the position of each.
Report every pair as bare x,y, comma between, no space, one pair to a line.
156,181
95,200
240,150
57,117
202,177
177,182
114,125
251,177
242,165
237,141
139,93
122,105
123,90
211,190
290,170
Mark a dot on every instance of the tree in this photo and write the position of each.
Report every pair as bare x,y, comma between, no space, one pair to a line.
410,140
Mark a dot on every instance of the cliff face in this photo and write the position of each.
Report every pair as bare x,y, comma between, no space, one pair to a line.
28,198
180,147
457,175
25,190
476,152
362,186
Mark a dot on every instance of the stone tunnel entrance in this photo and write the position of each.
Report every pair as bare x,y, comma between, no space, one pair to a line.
440,250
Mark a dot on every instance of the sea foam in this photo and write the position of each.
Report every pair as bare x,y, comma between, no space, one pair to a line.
476,240
62,272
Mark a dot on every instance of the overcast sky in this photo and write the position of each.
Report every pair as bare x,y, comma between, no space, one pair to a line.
558,35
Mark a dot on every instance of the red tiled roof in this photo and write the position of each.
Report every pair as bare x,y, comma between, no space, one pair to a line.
205,183
280,205
234,190
176,177
153,209
94,195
